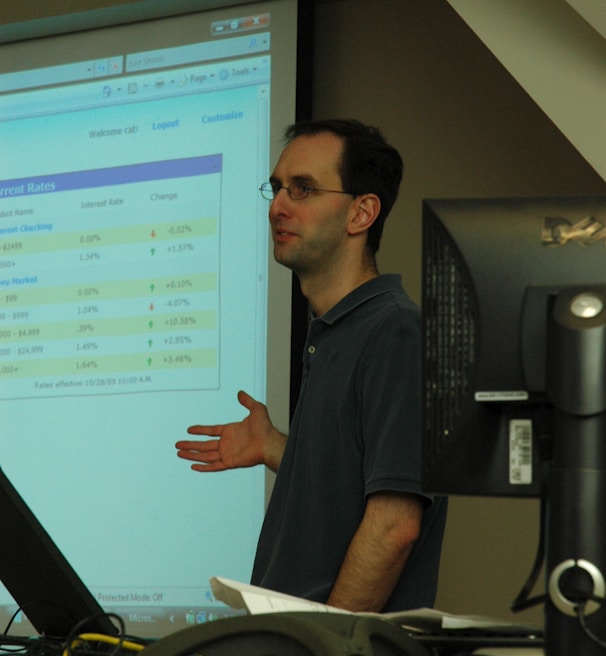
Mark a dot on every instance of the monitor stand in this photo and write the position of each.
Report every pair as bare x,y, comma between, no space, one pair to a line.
576,489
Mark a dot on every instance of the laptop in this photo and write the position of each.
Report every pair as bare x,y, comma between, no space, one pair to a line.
38,576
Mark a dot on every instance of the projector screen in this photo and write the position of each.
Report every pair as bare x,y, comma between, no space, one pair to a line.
138,295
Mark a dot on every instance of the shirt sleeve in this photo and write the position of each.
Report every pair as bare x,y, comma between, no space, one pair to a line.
390,391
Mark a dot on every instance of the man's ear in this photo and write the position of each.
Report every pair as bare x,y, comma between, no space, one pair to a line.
366,208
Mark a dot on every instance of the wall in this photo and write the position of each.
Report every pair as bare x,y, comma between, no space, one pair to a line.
465,128
559,58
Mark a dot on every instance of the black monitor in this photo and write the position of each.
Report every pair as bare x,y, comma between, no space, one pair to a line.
514,326
491,270
40,579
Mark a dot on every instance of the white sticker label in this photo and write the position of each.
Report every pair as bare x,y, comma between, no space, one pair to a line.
500,396
520,452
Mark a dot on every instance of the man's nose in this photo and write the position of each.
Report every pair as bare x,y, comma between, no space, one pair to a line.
280,201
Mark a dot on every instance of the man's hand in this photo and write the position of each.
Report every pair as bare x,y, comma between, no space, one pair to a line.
252,441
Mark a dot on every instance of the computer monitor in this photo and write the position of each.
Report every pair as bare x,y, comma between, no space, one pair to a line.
38,576
514,326
491,270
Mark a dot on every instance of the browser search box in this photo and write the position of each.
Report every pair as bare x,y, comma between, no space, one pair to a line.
198,52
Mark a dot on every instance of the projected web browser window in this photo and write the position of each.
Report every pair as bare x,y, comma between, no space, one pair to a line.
133,303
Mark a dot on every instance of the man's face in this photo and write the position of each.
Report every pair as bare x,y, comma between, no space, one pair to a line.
309,234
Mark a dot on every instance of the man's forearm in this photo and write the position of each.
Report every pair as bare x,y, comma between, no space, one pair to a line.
378,553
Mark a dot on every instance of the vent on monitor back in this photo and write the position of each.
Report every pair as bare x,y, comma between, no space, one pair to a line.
449,337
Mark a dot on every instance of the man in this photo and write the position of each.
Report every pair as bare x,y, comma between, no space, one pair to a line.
347,524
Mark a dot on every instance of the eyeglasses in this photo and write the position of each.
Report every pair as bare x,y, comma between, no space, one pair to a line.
295,190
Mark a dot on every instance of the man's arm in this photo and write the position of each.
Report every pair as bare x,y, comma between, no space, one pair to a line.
378,552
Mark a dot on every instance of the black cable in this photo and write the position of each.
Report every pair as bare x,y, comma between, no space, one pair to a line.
75,632
14,616
15,649
522,602
582,621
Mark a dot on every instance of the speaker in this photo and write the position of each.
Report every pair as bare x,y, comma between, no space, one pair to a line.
290,634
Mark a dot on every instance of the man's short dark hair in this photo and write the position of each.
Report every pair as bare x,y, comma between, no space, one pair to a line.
368,164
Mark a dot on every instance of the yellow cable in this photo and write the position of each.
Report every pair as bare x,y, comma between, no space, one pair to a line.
100,637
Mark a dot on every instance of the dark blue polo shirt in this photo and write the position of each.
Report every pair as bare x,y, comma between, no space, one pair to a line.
356,430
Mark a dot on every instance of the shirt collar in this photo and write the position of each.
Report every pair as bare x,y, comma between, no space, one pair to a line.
374,287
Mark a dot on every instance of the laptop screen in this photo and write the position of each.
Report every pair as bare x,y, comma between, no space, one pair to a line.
38,576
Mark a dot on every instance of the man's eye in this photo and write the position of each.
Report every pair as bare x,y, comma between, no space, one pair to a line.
275,187
304,189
